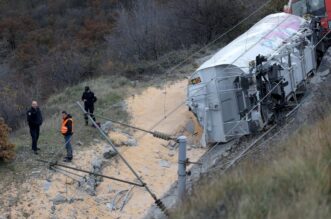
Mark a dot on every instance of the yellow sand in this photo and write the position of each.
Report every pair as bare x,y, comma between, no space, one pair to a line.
118,138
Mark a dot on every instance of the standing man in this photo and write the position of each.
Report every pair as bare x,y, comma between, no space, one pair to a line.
67,132
35,120
89,99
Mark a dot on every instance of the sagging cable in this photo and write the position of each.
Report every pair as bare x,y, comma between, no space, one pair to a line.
155,134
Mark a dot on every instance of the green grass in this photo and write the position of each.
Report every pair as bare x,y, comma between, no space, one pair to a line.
107,96
294,181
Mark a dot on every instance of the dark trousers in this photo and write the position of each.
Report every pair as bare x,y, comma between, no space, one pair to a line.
89,109
34,132
67,139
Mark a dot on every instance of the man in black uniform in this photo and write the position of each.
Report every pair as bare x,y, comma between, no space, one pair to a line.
35,120
89,99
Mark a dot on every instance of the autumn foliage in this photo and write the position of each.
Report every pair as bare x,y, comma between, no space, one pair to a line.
6,148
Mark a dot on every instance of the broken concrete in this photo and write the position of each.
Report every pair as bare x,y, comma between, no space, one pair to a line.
164,164
108,153
59,199
107,126
90,182
131,142
47,185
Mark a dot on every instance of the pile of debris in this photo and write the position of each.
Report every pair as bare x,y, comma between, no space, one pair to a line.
88,183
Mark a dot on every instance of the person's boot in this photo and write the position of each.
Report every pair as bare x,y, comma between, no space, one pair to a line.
86,123
35,152
67,159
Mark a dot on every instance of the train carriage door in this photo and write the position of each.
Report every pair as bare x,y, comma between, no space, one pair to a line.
213,121
231,102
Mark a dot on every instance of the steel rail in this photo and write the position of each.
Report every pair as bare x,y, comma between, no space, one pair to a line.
243,153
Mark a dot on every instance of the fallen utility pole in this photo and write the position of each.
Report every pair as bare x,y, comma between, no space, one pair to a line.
52,164
154,133
182,161
157,201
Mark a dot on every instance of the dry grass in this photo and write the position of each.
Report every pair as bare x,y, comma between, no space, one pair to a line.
295,183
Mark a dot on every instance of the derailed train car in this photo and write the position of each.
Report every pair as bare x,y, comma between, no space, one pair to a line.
246,84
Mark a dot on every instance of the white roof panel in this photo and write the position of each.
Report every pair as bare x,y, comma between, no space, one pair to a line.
264,38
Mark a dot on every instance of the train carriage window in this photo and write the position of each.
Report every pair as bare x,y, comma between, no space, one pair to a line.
316,7
299,7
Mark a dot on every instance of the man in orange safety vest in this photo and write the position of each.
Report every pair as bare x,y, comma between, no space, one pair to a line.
67,132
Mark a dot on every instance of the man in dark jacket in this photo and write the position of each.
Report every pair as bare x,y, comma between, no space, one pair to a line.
89,99
67,132
35,120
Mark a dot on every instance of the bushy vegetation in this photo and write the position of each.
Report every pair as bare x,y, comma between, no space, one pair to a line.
46,45
6,148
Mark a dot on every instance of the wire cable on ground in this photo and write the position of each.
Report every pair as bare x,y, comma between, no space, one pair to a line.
51,164
158,202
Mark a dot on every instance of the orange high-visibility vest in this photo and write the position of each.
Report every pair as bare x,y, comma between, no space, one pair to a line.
64,128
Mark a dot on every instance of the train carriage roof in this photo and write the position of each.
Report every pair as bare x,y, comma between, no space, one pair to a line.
264,38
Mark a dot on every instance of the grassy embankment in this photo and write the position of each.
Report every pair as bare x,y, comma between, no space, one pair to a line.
292,181
110,92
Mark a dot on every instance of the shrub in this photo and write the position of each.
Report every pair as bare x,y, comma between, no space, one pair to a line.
6,148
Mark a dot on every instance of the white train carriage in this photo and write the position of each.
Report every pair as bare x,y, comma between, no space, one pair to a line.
244,85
